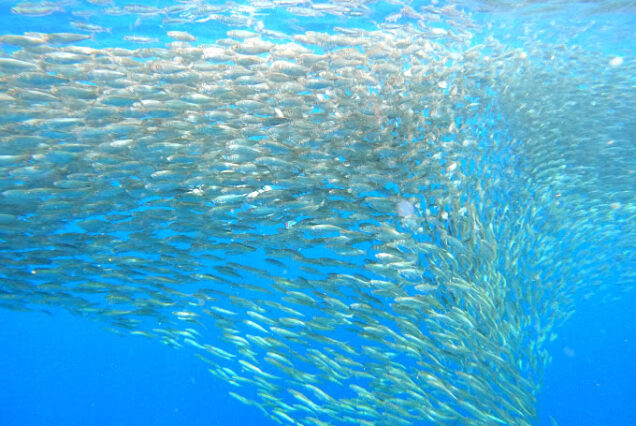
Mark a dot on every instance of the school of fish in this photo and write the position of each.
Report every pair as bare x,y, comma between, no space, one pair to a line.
350,226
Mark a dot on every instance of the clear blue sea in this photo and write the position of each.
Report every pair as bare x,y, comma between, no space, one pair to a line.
64,370
59,368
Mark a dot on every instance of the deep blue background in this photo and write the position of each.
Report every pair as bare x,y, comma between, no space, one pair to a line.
67,370
592,378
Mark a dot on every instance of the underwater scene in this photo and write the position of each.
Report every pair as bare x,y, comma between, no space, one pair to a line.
297,212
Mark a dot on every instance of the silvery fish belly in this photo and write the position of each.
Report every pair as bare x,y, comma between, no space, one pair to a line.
352,218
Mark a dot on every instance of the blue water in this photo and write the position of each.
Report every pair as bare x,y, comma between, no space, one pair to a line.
65,370
591,378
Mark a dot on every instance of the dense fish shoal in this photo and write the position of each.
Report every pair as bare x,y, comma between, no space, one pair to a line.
357,226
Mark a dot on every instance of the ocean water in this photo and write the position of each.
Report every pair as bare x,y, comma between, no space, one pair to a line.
206,213
65,370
